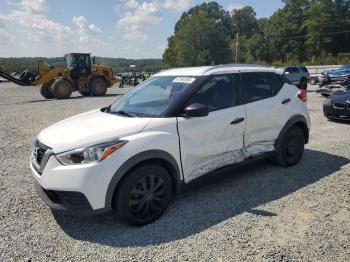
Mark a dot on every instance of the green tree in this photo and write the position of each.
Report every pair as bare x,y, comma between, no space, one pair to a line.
201,37
318,25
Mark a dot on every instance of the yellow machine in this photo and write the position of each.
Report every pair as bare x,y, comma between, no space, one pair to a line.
80,74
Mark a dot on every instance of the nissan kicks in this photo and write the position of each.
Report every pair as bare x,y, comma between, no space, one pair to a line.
134,155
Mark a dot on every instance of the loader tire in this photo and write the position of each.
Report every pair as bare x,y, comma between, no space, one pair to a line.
98,87
61,89
84,93
45,90
25,76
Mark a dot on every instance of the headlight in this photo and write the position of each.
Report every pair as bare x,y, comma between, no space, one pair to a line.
327,102
89,154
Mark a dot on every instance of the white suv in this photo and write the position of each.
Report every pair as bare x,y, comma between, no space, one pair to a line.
134,155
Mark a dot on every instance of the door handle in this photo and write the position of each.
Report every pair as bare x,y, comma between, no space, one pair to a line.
237,120
286,101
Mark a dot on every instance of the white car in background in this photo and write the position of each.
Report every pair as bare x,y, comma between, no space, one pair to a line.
134,155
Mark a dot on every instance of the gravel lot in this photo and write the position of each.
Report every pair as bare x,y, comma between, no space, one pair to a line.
258,213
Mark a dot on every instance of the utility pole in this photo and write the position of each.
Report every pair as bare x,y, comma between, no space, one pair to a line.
237,45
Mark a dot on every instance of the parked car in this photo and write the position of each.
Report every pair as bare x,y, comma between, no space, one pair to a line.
337,106
341,74
134,155
297,75
314,79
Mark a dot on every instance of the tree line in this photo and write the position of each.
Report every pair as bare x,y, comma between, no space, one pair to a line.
302,32
19,64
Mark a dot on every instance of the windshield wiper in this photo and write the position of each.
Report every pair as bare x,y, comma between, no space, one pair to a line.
124,113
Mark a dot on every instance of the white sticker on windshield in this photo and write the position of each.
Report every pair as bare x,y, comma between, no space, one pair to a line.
185,80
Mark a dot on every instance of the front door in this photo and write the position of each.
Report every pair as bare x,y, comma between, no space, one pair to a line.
208,143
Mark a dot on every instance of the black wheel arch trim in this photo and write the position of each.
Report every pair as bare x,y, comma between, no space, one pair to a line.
137,159
298,120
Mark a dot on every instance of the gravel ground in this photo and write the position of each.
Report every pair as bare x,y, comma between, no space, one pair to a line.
258,213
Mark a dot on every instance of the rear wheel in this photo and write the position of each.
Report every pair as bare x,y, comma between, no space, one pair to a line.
313,81
45,90
143,195
98,87
84,90
291,147
61,89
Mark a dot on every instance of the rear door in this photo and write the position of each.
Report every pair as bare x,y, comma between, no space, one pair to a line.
268,108
208,143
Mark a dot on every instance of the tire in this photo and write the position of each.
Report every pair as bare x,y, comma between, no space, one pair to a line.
45,90
135,202
313,81
84,90
61,89
291,147
98,87
25,76
303,84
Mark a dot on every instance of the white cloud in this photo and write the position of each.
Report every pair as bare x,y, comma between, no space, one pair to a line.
178,5
34,24
132,4
33,6
86,31
234,6
94,28
135,23
6,37
38,27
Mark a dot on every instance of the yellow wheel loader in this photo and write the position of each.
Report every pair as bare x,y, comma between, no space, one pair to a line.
80,75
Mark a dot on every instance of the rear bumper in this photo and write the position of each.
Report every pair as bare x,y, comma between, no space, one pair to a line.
74,203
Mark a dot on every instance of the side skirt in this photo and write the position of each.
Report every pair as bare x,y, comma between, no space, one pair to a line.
228,168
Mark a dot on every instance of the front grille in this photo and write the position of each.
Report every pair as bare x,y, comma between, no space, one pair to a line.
339,105
70,198
39,154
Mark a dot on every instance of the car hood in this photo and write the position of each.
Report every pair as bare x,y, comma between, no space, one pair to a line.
89,128
340,97
338,72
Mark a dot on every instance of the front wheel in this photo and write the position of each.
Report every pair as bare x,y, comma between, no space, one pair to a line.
61,89
45,90
143,195
291,147
98,87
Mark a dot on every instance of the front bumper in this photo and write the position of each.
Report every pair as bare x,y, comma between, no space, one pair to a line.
78,189
74,203
336,113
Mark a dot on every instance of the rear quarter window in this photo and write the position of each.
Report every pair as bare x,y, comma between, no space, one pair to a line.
276,83
303,69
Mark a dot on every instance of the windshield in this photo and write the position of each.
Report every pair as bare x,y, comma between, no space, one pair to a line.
153,97
71,61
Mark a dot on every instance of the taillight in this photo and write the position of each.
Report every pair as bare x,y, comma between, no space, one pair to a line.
302,95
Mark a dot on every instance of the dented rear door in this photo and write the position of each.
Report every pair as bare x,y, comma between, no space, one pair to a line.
208,143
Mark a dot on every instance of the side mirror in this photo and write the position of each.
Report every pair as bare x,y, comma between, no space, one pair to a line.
196,110
286,73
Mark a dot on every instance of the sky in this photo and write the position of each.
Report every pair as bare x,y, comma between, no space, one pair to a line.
110,28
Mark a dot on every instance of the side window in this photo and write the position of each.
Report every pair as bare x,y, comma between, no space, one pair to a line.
256,86
276,83
218,92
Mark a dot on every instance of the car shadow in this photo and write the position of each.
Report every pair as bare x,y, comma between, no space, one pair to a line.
338,121
209,202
